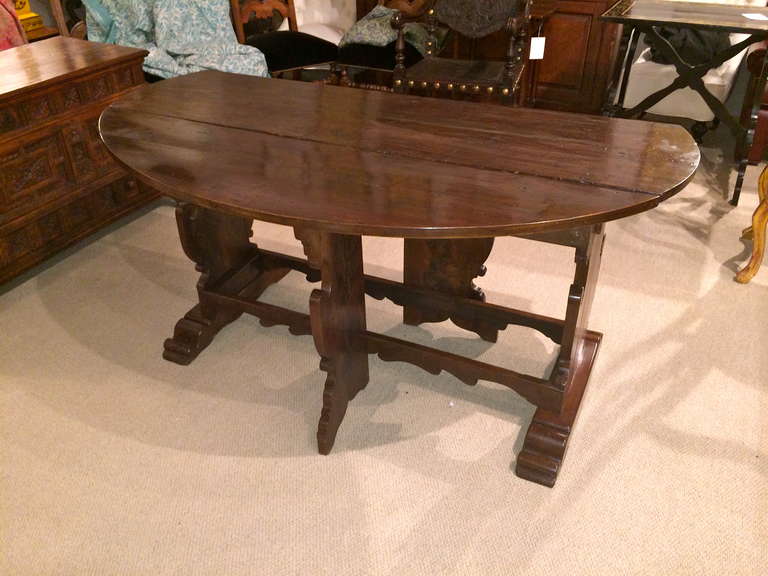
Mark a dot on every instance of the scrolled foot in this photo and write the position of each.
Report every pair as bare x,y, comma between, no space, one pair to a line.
758,229
334,408
542,453
193,333
546,441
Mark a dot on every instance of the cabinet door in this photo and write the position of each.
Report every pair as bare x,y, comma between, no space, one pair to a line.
578,60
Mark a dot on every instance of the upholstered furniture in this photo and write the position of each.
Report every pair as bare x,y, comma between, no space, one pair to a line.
489,80
457,58
378,62
256,23
754,152
57,182
326,19
576,70
757,231
11,31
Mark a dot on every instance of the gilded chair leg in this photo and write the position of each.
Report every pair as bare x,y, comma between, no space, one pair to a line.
758,231
762,194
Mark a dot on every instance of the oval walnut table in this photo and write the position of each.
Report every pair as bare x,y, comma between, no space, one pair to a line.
447,176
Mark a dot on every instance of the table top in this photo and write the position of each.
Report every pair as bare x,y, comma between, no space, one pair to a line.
32,66
730,17
366,162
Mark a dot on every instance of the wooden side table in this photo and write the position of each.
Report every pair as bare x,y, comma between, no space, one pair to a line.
757,231
57,182
647,16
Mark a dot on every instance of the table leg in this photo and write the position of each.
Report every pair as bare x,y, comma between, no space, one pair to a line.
547,437
448,267
337,317
758,231
626,55
229,264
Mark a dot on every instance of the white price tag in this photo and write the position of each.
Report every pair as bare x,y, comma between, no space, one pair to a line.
537,48
755,16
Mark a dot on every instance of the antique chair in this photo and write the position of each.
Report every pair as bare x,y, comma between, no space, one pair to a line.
437,75
758,231
256,23
378,62
753,103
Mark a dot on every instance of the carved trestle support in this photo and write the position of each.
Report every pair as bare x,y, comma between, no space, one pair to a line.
228,263
337,318
547,437
447,267
234,273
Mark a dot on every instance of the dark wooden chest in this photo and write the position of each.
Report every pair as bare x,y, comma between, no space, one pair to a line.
58,183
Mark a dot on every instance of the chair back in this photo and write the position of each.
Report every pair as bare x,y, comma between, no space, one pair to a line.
476,19
251,17
70,18
408,8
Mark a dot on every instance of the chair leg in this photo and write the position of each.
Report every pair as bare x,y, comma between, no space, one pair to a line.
698,130
757,230
739,181
344,77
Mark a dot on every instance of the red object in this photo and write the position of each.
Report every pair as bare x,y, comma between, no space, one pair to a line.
754,63
11,32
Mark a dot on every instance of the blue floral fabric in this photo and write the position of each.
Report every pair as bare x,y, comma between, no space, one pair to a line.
375,29
182,36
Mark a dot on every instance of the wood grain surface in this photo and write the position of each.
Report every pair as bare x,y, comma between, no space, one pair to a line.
362,162
31,67
729,17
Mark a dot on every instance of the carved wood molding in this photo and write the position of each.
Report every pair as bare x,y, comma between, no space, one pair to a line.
45,106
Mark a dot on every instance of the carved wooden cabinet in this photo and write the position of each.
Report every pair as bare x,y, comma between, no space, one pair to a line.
578,62
58,183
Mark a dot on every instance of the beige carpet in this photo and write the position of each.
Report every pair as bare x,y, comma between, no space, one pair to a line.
117,462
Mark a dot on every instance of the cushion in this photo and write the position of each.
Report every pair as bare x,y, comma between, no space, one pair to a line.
324,31
381,57
286,50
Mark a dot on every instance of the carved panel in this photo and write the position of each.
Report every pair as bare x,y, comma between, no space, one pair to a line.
72,97
25,245
568,35
9,120
88,155
39,109
30,176
123,78
99,87
76,141
58,183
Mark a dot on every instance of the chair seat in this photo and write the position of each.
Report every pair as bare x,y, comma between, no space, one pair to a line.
377,57
287,50
474,72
